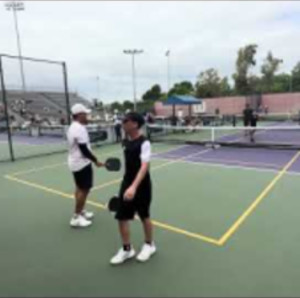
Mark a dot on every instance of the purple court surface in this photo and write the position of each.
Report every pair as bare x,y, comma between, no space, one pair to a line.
257,158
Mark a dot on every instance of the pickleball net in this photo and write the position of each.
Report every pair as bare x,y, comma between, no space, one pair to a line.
277,137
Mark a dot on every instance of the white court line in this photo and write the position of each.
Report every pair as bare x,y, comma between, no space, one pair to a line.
170,150
63,163
239,162
248,168
19,143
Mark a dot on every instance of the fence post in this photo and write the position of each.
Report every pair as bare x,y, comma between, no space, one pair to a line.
67,91
4,99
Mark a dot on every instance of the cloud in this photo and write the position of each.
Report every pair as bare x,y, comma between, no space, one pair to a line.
91,36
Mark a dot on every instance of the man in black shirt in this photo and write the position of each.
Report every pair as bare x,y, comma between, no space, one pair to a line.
250,119
136,190
247,113
253,124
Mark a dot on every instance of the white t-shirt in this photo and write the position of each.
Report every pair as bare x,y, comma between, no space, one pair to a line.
117,121
180,114
146,152
77,134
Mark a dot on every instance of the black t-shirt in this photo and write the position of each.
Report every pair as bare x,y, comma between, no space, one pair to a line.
132,154
248,114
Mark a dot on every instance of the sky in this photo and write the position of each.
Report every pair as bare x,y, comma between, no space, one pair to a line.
90,37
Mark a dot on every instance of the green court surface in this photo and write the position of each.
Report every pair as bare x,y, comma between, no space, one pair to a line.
209,242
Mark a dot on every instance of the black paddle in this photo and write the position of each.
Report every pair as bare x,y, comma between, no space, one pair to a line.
114,204
113,164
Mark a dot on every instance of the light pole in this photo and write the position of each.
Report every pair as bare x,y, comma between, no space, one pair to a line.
98,87
133,53
168,70
15,6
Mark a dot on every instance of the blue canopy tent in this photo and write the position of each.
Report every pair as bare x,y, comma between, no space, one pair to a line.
182,100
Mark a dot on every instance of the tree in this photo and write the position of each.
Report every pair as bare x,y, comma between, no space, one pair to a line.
268,70
225,88
281,83
296,77
244,62
153,94
163,97
116,106
210,84
128,105
182,88
254,84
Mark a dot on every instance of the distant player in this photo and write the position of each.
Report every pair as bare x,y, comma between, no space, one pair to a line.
247,117
253,123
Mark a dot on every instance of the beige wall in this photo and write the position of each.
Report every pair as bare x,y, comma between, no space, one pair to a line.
276,103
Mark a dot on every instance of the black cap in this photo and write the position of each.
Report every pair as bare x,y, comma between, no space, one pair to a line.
135,117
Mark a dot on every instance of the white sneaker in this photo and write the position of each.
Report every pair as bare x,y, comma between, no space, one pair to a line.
121,256
87,215
146,252
78,221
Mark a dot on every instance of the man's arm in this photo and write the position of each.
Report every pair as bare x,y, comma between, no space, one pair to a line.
86,152
82,140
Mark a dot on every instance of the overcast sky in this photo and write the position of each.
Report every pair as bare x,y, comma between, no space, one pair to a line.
91,36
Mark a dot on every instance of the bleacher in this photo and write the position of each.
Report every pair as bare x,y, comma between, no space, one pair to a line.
60,100
47,105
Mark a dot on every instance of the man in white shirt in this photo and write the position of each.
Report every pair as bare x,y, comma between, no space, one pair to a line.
117,127
80,160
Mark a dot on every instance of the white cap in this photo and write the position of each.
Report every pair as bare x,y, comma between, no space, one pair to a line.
79,108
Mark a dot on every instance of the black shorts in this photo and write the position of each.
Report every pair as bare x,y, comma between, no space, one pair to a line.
247,122
84,178
140,203
253,122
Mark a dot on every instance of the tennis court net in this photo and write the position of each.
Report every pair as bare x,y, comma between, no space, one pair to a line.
98,133
277,137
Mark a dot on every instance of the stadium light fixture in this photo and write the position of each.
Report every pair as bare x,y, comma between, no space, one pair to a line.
133,52
16,6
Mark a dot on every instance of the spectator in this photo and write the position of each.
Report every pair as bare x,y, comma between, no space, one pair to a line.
149,118
266,110
117,127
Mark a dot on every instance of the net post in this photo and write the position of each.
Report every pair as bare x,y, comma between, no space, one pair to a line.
213,136
65,74
4,99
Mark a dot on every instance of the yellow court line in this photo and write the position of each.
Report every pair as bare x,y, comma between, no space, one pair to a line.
38,169
116,181
28,171
106,184
186,233
260,197
173,161
52,166
103,207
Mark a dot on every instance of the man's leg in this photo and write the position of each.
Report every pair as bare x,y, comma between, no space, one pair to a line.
80,196
81,218
149,248
148,230
125,234
127,251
